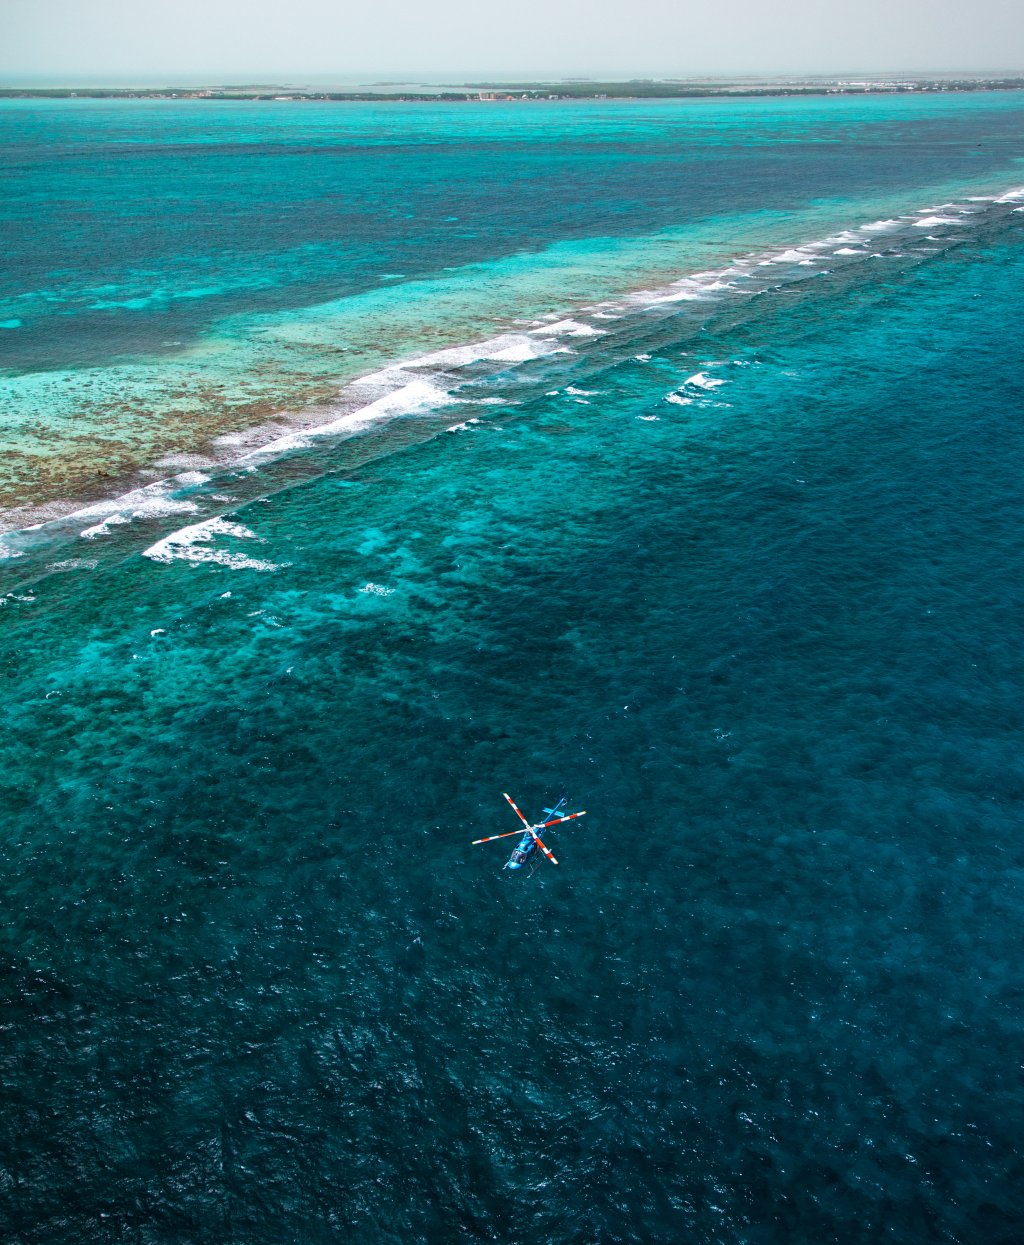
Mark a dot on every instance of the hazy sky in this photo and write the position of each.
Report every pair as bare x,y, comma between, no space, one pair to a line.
223,40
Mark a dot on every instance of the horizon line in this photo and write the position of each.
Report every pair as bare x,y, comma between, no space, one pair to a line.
393,77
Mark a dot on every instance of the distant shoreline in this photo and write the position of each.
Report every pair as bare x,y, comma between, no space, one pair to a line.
489,92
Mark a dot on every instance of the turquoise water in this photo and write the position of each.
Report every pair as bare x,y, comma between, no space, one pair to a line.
736,566
175,271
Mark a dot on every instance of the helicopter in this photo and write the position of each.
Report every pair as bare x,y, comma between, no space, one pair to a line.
530,841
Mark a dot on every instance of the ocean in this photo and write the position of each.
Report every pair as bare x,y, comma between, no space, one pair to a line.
365,462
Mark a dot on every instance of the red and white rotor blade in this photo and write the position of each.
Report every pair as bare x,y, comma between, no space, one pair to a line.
490,838
558,819
515,806
542,847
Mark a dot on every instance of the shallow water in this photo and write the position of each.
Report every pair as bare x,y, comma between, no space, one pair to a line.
175,271
257,985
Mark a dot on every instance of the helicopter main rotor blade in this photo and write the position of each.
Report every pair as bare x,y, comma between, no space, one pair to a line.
518,813
490,838
541,825
536,837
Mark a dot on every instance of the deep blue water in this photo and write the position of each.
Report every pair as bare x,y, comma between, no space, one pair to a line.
258,987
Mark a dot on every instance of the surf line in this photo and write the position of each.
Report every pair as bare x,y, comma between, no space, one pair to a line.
429,382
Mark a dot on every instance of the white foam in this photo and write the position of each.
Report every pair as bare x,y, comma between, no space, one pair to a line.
413,398
509,347
1012,196
571,328
403,393
701,380
137,505
377,590
704,285
677,399
103,529
7,554
521,352
929,222
690,292
193,545
794,255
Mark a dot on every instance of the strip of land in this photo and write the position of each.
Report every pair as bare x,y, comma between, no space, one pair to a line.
535,91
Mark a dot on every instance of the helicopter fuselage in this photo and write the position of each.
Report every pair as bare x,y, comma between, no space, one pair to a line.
522,851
